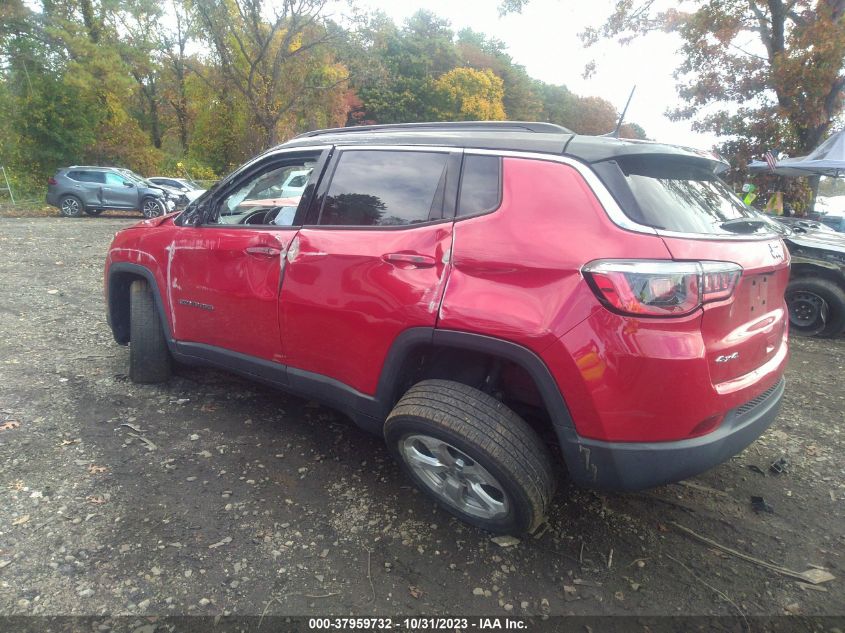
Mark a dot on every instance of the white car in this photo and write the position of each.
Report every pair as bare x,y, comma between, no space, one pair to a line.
181,185
294,184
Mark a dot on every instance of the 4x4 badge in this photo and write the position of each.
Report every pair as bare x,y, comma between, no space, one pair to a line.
776,251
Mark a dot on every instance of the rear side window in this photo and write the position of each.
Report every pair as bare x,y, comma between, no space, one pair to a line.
481,184
680,195
385,188
87,176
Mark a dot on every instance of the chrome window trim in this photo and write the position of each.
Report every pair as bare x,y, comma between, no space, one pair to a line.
608,202
440,149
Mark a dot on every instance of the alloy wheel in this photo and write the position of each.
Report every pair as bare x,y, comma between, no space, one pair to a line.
151,209
70,207
454,477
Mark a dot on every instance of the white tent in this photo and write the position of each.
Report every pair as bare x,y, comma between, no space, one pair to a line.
828,159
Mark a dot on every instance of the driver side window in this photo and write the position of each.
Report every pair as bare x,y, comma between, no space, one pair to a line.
267,197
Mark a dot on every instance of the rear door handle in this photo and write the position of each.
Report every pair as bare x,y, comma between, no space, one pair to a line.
409,260
263,251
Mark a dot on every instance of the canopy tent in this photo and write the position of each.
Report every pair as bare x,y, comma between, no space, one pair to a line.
828,159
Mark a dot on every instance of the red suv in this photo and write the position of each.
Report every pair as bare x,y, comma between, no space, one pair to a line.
483,295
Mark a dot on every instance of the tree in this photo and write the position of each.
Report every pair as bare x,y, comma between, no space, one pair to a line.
521,100
267,55
768,73
471,95
408,61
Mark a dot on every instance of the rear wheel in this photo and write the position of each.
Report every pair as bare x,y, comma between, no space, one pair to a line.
816,307
478,459
149,358
71,207
152,208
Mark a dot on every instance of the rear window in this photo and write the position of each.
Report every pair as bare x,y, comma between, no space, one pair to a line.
682,196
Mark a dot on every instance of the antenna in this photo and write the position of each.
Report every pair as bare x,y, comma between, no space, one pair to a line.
622,116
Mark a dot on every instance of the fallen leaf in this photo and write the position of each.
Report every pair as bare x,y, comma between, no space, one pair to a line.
415,592
94,469
9,425
69,442
208,408
95,500
505,541
21,520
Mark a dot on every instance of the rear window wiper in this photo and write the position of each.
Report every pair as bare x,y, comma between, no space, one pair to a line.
743,225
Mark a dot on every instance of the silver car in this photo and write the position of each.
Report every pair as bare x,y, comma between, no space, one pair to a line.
85,189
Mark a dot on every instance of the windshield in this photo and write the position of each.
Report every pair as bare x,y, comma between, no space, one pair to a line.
136,177
686,197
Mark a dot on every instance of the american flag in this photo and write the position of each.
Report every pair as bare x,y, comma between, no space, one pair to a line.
771,161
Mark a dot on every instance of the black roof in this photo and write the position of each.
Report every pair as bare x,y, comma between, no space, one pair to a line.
545,138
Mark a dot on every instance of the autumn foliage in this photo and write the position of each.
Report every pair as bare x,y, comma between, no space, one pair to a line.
196,87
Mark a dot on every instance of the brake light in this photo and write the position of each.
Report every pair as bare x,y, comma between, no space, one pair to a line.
660,288
51,181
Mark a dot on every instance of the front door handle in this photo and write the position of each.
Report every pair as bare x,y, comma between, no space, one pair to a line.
409,260
263,251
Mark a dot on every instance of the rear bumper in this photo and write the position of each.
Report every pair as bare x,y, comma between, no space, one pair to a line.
638,465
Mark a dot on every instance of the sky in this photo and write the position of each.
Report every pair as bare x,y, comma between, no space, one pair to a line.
544,39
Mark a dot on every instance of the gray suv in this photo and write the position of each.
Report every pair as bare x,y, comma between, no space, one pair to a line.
79,189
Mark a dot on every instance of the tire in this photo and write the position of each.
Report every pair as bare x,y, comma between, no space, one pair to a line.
149,358
449,437
816,307
71,207
152,208
93,211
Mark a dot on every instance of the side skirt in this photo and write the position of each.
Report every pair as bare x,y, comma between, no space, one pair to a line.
363,409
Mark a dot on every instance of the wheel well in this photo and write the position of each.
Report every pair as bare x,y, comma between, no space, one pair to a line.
821,272
119,284
501,377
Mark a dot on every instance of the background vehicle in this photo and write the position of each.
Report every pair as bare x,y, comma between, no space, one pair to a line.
484,296
179,186
835,222
92,190
816,291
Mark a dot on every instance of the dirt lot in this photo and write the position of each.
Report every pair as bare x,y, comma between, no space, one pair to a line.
212,495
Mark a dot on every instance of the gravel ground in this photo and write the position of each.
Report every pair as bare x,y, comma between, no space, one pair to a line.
211,495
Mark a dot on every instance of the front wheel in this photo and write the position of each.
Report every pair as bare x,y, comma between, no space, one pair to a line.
152,208
816,307
149,358
475,457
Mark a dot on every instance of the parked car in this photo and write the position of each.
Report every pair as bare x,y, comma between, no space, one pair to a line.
816,291
190,191
835,222
485,296
92,190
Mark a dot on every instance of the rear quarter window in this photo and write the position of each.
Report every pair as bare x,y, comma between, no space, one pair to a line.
481,184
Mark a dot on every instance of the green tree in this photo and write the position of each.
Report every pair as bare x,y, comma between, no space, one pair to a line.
272,62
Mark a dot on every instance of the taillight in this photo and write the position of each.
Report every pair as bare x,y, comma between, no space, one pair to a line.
660,288
51,181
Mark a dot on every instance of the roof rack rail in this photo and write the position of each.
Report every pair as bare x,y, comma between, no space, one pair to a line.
486,126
